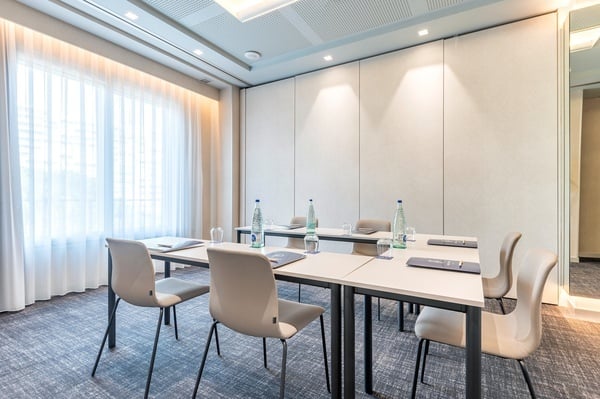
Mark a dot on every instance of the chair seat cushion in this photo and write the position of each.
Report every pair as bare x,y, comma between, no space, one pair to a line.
171,291
498,332
294,316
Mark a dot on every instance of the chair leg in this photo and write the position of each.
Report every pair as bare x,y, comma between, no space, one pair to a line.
283,364
527,378
153,353
501,305
110,322
425,353
217,338
175,322
325,353
416,375
400,316
378,309
265,352
213,327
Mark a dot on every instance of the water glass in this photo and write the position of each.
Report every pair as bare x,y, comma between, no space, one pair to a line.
311,243
347,229
411,234
384,246
216,235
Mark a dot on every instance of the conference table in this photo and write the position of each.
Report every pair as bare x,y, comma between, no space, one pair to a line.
352,275
325,269
324,233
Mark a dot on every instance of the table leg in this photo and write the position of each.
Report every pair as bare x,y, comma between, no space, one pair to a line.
112,334
368,332
167,312
239,236
349,389
336,341
473,349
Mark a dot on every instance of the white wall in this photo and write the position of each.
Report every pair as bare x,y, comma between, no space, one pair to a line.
464,130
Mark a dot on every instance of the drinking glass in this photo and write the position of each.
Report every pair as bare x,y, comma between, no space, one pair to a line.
216,235
347,229
411,233
384,246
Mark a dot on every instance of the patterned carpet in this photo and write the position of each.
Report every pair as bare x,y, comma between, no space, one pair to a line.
48,350
584,279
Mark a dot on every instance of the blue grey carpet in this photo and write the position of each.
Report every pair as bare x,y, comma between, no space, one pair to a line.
48,350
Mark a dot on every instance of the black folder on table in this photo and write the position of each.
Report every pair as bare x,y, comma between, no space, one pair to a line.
452,243
445,264
179,245
364,230
291,226
281,258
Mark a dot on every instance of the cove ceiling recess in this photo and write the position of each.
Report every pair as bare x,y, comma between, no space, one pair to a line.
291,40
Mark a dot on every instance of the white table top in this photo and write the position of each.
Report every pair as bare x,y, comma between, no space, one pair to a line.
395,276
325,266
321,232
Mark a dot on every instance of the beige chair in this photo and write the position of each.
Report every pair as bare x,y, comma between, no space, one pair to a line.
298,243
498,286
371,250
512,336
243,297
133,281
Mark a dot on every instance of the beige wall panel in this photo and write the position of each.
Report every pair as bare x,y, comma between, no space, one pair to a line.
500,144
589,222
327,156
401,136
269,157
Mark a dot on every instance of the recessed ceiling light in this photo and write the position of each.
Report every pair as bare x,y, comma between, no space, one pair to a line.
423,32
198,52
328,58
252,55
131,15
245,10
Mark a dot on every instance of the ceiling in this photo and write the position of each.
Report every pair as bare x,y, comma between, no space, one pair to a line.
292,40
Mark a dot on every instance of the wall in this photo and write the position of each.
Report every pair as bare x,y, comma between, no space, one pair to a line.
589,233
464,130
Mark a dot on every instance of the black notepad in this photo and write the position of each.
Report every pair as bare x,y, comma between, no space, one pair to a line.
291,226
445,264
179,245
364,230
281,258
452,243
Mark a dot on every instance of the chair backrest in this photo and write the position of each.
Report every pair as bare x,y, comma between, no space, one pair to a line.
531,279
505,275
132,272
243,294
298,242
379,225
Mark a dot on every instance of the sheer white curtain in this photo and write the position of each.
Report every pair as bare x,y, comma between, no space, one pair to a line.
103,150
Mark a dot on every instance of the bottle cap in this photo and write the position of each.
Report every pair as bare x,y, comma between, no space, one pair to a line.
256,200
399,201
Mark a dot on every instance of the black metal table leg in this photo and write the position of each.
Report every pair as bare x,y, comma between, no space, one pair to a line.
336,341
368,338
167,310
473,353
349,389
239,236
112,333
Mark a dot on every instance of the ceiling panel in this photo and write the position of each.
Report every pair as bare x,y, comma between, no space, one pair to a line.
292,40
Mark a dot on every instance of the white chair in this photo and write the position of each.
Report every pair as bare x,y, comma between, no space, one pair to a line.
371,250
497,287
512,336
243,297
133,281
